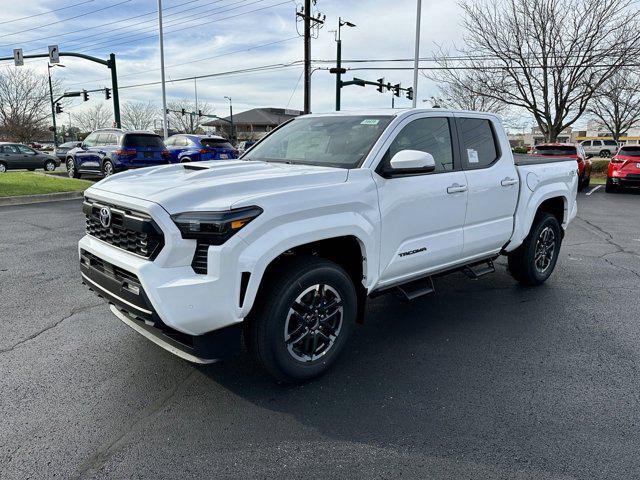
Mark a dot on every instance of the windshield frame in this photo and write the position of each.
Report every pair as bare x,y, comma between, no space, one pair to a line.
389,117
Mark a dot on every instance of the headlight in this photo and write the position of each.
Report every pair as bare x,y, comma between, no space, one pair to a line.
214,227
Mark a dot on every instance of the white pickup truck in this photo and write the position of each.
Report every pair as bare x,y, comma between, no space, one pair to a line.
283,247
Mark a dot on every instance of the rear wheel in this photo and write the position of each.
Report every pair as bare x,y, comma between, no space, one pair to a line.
605,153
71,169
50,166
302,318
107,168
533,261
610,187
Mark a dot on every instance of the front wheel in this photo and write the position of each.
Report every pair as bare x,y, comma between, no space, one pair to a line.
302,318
107,168
533,261
71,169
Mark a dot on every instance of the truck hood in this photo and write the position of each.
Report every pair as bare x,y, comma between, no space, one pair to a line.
215,185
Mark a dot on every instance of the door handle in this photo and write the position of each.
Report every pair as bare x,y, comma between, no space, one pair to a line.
507,182
456,188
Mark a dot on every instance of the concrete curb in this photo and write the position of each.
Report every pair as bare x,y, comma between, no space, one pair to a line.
46,197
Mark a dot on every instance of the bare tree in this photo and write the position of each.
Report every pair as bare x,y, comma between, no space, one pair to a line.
548,57
616,105
187,123
138,115
96,116
25,108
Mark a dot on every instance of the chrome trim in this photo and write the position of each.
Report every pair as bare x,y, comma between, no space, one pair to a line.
114,295
158,341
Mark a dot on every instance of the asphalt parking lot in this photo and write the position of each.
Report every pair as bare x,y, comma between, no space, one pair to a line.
485,379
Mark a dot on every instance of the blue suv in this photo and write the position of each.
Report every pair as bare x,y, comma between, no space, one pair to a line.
195,148
107,151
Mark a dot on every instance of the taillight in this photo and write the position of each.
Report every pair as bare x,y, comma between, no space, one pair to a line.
126,152
165,154
204,150
616,160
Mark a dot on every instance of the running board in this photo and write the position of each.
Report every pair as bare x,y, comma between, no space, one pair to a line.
417,288
478,270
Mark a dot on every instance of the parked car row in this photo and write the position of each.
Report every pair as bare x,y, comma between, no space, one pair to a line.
108,151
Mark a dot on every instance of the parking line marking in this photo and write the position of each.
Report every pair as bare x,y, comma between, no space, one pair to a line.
593,190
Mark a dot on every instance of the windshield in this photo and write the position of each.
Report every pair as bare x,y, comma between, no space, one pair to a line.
554,150
630,151
340,141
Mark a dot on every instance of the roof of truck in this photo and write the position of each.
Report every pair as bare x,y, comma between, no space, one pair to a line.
400,112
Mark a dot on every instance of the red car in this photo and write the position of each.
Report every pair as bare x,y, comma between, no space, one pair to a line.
624,169
572,151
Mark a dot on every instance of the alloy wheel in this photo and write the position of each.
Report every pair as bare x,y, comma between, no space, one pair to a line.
108,169
313,323
70,168
545,249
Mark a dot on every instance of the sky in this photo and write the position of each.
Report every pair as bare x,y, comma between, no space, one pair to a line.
204,37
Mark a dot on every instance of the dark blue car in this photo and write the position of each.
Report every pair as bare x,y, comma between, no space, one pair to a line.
108,151
196,148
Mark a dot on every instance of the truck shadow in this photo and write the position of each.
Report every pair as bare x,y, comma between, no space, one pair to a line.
452,368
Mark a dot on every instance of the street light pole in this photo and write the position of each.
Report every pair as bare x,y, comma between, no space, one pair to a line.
233,133
341,23
53,108
164,91
416,65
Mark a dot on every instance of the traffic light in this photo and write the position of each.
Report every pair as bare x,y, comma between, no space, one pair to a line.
58,108
85,95
396,89
410,93
183,112
200,114
107,93
381,85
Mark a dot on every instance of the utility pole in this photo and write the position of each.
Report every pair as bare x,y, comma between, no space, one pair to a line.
339,70
53,108
164,90
309,23
416,65
233,133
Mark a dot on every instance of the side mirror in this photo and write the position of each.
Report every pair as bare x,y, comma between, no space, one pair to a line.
409,162
83,146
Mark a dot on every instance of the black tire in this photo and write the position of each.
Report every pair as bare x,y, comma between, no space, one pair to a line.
107,168
31,169
3,167
523,265
49,166
584,182
610,187
71,169
185,160
273,317
605,154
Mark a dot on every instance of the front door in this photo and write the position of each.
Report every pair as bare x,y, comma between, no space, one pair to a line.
30,157
422,215
493,185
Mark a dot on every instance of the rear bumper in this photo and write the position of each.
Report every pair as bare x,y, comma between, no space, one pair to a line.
630,180
130,303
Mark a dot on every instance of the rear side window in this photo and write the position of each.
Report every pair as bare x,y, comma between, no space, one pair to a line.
479,148
554,150
215,142
136,140
610,143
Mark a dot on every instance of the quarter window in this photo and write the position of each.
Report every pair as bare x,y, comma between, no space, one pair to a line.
478,142
430,135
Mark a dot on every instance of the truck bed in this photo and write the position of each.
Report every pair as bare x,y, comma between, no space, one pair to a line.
521,159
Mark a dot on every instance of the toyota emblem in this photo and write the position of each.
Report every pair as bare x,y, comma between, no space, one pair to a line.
105,217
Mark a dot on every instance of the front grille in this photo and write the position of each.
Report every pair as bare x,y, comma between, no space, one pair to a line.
132,231
110,270
199,262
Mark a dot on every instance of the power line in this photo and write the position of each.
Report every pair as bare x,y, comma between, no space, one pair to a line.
254,47
45,13
133,38
65,19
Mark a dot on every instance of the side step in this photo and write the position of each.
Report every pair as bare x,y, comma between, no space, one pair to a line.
478,270
417,288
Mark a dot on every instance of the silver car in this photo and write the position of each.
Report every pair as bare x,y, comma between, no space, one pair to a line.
600,148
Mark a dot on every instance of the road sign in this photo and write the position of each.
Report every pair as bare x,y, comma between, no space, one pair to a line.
54,54
18,57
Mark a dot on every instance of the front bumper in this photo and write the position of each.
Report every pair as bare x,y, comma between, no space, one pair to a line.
130,303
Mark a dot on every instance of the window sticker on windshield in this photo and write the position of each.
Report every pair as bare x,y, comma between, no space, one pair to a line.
370,121
472,155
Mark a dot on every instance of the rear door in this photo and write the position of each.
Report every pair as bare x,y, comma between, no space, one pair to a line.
11,156
493,184
422,215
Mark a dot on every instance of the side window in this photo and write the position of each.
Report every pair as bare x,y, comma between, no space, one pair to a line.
24,149
478,142
586,143
430,135
597,143
113,139
183,142
170,142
